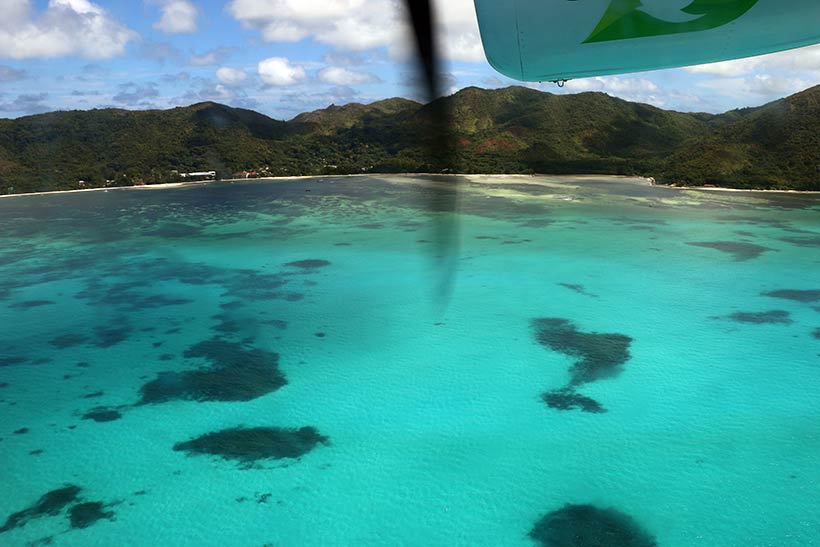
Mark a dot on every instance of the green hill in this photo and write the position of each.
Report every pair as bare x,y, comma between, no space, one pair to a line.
774,146
512,130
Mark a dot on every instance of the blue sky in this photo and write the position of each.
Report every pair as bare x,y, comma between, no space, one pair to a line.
282,57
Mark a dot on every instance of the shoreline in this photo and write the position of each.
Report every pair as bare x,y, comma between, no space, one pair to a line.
650,181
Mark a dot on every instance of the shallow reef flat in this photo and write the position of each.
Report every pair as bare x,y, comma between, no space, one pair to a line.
286,363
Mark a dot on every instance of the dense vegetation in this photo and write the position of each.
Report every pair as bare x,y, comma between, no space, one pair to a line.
513,130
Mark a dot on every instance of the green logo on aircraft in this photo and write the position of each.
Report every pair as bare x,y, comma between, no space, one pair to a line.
624,19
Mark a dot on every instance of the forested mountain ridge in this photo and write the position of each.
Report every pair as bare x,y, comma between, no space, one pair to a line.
512,130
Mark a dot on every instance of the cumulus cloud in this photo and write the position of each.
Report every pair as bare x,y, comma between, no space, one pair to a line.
173,78
750,81
336,58
231,76
458,33
9,74
279,71
32,103
216,56
632,89
64,28
132,94
342,76
178,17
204,89
159,51
755,88
794,60
359,25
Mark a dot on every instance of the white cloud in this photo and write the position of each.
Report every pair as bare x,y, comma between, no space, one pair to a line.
801,59
26,104
231,76
756,87
213,57
342,76
9,74
726,68
360,25
178,17
631,89
279,71
459,35
65,28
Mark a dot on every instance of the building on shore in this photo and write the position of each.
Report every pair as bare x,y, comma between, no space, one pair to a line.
199,175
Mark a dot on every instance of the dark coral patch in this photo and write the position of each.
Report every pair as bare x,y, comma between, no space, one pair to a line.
372,226
803,241
566,399
764,317
85,514
226,324
51,504
740,251
28,304
102,414
236,374
21,431
249,445
105,337
126,295
309,264
9,361
68,340
158,301
93,395
589,526
806,296
815,334
255,286
577,288
600,355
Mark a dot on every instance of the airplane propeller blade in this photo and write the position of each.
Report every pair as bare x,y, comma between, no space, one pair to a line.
443,191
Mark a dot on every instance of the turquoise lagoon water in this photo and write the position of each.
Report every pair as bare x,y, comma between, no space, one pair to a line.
637,355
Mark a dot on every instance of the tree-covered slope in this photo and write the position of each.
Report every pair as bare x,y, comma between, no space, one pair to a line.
516,129
774,146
